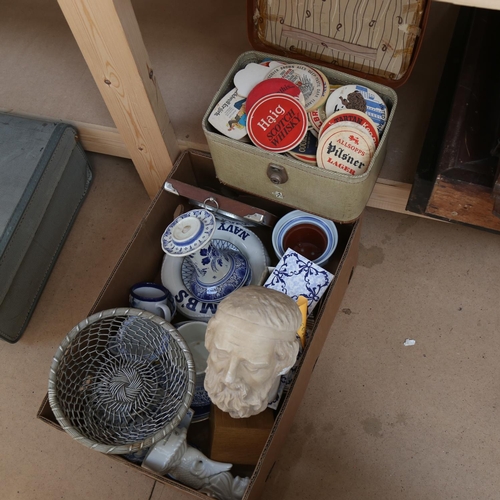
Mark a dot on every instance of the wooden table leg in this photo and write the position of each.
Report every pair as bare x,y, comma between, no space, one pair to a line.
110,40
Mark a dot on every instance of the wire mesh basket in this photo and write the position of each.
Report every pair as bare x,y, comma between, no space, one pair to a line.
121,380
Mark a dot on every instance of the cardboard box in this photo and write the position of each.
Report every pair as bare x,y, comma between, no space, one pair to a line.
239,440
141,261
334,195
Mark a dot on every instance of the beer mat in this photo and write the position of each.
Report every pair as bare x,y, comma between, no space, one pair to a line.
344,149
309,81
307,147
229,116
273,86
248,77
360,98
317,117
277,122
352,116
354,127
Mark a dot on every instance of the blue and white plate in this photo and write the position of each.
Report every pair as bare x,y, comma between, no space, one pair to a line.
238,275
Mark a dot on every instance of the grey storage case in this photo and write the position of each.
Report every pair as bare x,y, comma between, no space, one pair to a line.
44,177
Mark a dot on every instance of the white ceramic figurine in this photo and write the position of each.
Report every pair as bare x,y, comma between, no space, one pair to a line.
252,341
172,456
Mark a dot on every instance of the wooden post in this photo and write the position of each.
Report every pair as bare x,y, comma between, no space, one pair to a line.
111,43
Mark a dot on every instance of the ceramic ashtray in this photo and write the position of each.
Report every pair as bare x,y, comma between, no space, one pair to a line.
309,235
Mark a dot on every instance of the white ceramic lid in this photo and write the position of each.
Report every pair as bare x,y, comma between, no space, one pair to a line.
188,233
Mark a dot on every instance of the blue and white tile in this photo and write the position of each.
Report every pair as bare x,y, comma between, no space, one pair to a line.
295,275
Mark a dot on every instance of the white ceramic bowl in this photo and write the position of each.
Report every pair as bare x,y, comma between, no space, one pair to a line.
193,332
297,217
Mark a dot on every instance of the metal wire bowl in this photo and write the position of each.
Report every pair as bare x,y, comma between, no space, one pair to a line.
121,380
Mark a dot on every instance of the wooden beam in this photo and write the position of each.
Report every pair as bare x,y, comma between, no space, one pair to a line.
393,196
108,141
99,139
111,43
386,195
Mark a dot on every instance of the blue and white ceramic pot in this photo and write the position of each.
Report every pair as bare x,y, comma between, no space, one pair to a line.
216,272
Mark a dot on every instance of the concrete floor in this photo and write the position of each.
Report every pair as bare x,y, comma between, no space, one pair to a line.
379,420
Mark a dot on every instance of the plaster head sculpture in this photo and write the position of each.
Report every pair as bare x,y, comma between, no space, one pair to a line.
252,341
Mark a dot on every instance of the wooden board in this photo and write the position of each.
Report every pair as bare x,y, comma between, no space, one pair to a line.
238,440
455,176
463,202
387,194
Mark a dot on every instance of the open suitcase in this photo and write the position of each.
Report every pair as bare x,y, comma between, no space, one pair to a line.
367,44
327,193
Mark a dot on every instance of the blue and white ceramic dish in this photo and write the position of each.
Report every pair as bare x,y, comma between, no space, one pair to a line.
235,236
188,233
236,277
295,275
187,267
297,217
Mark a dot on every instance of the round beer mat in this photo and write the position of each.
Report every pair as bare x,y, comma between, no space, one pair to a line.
277,122
350,116
307,79
360,98
344,149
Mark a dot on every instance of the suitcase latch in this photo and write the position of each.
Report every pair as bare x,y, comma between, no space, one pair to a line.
277,174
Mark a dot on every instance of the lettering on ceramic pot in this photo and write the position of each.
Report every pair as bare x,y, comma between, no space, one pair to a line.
179,298
206,307
236,230
192,304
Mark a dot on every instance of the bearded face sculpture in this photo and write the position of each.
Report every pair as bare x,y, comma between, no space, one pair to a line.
252,341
